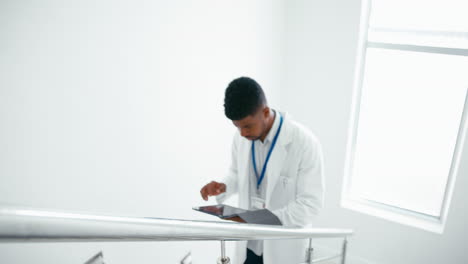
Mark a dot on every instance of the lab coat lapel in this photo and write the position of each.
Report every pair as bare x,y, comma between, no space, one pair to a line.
278,157
274,168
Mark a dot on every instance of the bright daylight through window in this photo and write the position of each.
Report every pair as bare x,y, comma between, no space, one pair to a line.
409,110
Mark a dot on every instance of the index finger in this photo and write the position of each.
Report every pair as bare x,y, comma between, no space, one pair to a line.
204,194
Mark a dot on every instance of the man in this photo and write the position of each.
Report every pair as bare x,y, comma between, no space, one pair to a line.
276,164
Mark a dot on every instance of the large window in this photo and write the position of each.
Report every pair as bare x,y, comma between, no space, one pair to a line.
409,108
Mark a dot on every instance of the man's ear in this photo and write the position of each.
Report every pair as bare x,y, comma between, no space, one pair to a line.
266,111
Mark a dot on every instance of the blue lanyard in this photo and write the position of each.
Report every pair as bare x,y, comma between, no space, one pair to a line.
273,143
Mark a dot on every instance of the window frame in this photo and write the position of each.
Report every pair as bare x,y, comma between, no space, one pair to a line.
375,208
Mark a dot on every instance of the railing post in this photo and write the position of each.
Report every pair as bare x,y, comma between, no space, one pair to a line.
223,259
343,252
310,252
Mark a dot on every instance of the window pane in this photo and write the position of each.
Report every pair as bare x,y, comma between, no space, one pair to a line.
410,112
437,15
455,40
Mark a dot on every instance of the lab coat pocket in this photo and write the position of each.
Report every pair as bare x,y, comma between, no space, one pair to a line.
284,181
287,183
284,191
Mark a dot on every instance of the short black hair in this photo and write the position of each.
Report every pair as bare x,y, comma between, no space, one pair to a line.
243,97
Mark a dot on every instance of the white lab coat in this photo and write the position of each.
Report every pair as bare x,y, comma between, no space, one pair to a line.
295,188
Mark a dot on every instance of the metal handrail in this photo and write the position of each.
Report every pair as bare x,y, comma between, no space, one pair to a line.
34,225
18,224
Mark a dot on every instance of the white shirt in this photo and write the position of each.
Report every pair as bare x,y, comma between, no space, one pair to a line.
261,152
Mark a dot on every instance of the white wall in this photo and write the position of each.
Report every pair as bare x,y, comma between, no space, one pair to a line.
320,56
117,107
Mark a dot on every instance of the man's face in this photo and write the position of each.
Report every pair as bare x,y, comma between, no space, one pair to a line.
253,126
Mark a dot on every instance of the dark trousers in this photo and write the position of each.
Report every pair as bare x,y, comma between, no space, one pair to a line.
252,258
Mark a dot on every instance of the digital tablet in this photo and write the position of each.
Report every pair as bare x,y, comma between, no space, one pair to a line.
220,210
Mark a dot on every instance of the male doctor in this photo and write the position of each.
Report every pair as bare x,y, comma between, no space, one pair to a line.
276,164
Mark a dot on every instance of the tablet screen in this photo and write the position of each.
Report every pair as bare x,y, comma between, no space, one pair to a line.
220,210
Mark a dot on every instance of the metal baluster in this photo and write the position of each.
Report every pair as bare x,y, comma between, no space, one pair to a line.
310,252
223,259
343,252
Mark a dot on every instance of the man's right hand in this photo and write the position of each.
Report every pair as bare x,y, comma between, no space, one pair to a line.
212,189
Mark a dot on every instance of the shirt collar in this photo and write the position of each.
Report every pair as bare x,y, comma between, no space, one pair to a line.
274,128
